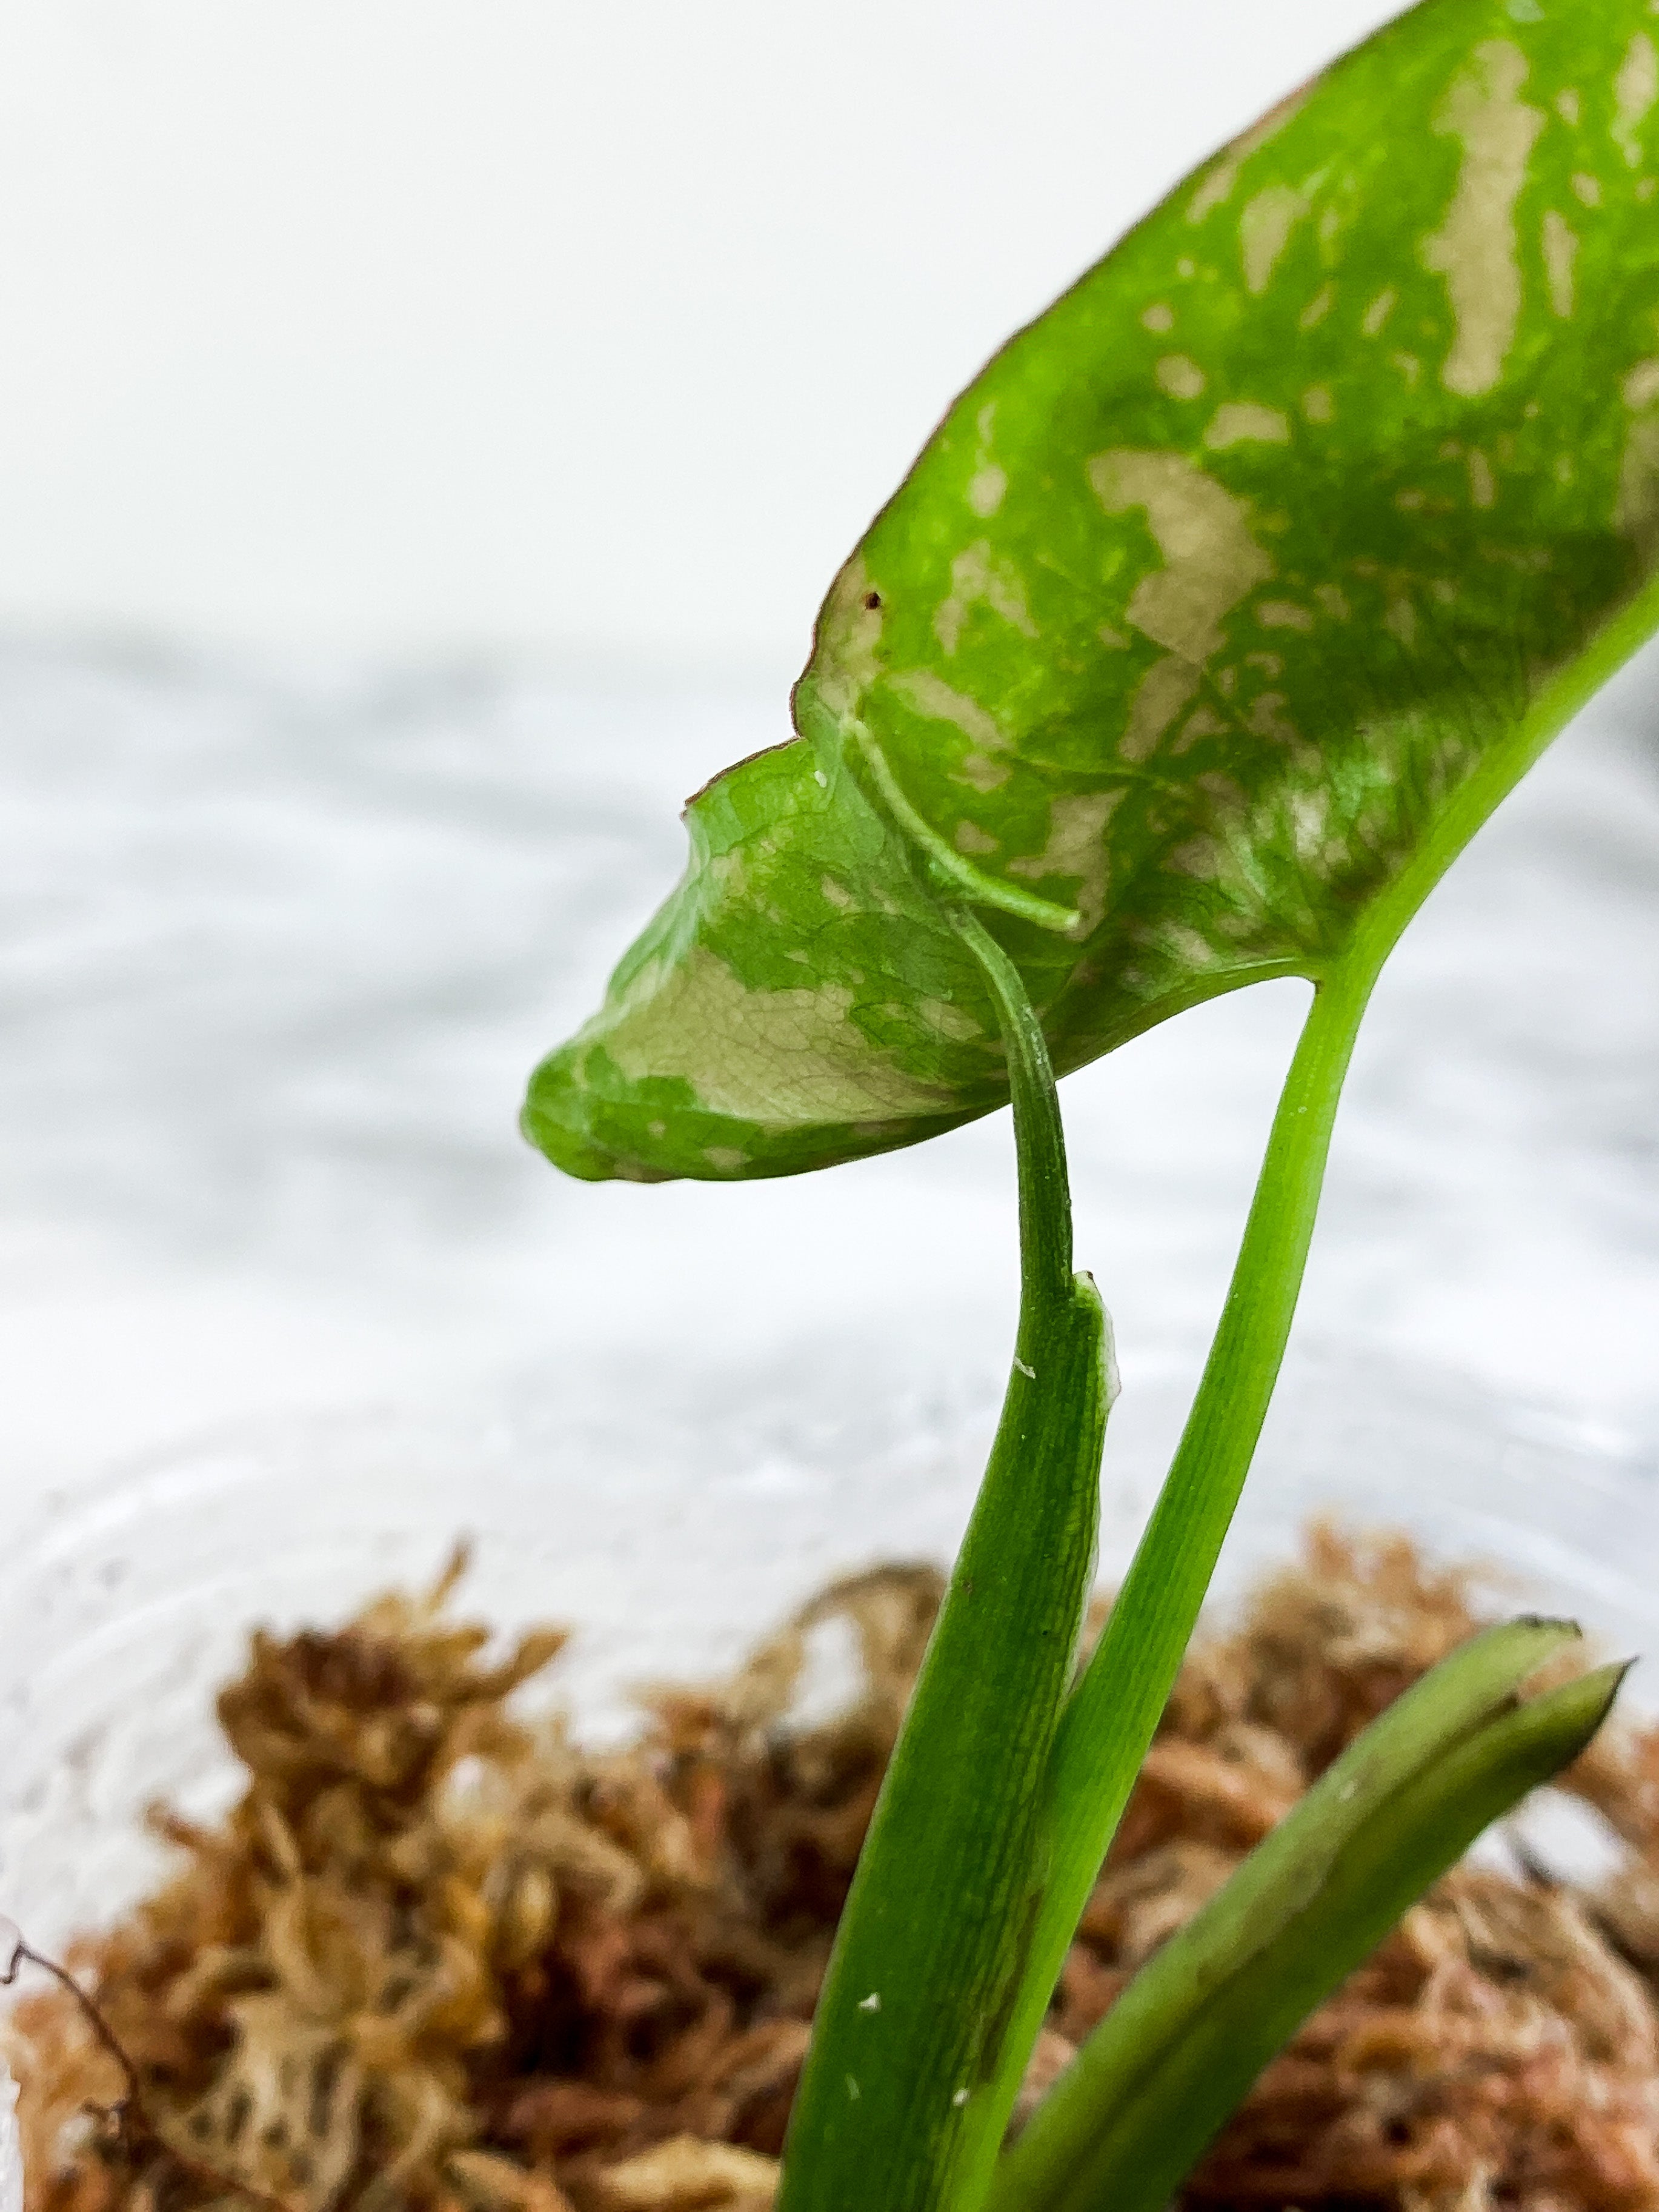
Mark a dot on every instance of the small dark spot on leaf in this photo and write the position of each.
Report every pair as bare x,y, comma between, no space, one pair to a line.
873,600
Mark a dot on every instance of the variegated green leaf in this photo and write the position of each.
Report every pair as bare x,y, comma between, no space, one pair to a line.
1227,600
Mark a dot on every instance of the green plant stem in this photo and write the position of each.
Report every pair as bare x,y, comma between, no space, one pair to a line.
895,2099
1114,1710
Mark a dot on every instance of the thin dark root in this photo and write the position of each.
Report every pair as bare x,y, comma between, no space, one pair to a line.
134,2130
130,2112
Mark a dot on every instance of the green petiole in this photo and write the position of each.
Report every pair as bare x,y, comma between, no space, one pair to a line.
1113,1712
898,2107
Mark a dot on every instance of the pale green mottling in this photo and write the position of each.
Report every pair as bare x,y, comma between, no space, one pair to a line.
949,1020
772,1057
980,578
1076,848
931,694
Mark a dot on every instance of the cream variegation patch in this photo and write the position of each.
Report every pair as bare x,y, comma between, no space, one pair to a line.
1159,696
1211,561
1216,187
930,695
1180,375
1474,248
845,647
987,487
1635,89
1242,422
1264,230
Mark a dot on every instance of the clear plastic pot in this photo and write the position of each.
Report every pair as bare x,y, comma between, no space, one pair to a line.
668,1519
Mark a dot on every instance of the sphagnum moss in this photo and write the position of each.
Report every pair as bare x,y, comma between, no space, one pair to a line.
440,1958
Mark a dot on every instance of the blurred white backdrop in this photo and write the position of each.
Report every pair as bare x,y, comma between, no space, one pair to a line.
424,324
426,432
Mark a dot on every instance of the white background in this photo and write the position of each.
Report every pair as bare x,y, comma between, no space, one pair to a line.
596,331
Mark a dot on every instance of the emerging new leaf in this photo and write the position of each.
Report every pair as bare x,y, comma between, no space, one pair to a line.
1224,604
